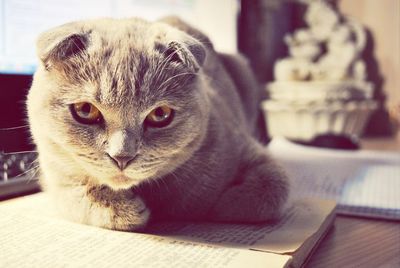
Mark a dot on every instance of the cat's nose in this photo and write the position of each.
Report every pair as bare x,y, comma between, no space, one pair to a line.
122,161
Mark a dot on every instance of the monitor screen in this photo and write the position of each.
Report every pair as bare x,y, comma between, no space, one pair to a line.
22,20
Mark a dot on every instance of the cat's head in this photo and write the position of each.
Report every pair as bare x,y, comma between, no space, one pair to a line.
120,101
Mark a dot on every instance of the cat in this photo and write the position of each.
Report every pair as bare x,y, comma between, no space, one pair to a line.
138,121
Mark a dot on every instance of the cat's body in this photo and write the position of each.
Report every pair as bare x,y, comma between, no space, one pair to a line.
206,163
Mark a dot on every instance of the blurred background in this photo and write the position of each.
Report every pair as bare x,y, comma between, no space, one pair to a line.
255,28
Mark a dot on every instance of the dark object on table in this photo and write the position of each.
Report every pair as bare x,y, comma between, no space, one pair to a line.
333,141
18,174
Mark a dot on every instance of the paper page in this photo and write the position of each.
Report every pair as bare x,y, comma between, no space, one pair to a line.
339,175
304,219
29,237
376,189
281,145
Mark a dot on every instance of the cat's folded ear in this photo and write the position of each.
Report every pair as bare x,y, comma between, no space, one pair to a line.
190,52
190,44
61,43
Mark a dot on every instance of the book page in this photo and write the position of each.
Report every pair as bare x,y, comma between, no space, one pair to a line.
303,220
30,236
328,173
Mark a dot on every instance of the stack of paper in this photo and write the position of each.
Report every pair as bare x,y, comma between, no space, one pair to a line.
364,183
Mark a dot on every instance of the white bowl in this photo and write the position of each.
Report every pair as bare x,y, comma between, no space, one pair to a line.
304,121
320,90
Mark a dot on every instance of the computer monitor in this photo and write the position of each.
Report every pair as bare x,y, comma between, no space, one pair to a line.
21,21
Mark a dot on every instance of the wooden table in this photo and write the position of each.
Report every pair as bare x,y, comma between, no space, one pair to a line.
362,242
359,242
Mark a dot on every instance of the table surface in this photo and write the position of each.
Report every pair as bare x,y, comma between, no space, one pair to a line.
361,242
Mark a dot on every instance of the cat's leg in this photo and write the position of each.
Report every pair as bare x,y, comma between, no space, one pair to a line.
258,193
101,206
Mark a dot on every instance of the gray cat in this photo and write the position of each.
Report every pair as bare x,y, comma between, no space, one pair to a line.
136,121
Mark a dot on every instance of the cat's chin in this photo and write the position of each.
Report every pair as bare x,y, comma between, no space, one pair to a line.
121,182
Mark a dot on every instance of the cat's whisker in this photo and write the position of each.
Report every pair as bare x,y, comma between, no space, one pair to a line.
27,171
188,170
151,161
13,128
35,161
160,66
168,58
20,152
158,182
150,164
167,187
34,174
182,182
171,78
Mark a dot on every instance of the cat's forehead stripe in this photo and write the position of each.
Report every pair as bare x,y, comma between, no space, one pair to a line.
122,79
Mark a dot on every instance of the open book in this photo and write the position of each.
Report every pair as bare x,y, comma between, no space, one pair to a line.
364,183
32,235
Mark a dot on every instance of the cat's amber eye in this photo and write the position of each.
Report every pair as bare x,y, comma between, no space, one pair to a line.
160,116
85,113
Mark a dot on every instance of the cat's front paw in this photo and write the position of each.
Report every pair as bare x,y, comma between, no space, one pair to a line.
129,215
117,210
